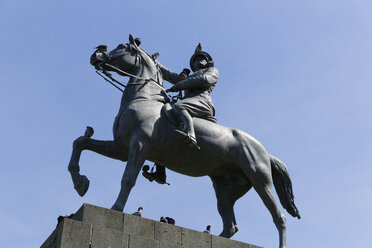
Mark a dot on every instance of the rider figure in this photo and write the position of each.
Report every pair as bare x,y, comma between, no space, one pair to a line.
197,101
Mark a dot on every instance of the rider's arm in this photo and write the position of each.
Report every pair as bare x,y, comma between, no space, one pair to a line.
198,80
168,75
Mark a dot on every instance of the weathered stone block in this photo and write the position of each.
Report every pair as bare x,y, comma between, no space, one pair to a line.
220,242
108,238
75,234
96,227
169,236
254,246
94,215
195,239
137,241
54,238
138,226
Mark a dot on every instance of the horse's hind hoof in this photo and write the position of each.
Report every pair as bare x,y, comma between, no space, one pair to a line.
145,168
82,185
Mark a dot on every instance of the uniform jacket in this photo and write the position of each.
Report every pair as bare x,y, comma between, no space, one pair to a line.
198,85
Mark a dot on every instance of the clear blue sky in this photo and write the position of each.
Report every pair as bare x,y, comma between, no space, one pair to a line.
297,75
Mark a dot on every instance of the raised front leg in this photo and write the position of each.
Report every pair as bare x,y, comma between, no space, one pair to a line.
137,156
111,149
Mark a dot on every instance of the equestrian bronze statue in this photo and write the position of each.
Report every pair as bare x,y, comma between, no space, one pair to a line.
142,130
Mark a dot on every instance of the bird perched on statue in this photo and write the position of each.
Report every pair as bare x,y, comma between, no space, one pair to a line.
102,48
184,74
137,41
168,220
155,56
138,212
208,230
89,131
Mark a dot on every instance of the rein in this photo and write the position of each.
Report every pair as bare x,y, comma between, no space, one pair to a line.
113,80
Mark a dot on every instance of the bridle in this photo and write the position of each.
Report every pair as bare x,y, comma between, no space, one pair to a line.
114,82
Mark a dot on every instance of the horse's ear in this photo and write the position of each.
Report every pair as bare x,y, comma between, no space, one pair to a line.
198,48
155,56
131,40
134,42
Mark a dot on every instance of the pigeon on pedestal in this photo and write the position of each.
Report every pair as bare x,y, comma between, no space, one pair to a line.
208,230
138,212
168,220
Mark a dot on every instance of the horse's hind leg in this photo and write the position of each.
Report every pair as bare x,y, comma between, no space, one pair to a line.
255,163
262,183
227,193
110,149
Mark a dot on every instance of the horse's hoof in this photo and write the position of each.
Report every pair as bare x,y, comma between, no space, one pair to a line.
82,185
229,233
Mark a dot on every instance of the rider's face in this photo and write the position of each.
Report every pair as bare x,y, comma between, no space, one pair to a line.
200,63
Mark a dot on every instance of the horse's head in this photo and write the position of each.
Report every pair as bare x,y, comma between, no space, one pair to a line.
126,57
123,57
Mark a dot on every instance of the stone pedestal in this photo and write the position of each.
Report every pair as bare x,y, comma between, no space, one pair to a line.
96,227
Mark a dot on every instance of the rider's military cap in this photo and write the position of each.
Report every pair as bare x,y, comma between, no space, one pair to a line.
205,55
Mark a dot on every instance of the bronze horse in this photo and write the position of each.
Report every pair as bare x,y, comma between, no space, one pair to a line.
234,160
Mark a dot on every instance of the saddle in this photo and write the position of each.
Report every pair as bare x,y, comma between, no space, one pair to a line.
166,112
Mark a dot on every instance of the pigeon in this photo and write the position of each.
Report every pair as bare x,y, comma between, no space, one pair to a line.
102,48
155,56
61,218
89,132
168,220
198,48
138,212
137,41
183,75
208,230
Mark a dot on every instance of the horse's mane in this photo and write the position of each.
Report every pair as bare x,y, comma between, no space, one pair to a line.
147,55
152,59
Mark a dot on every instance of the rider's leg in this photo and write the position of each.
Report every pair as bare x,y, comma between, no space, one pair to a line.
159,175
160,172
186,119
189,125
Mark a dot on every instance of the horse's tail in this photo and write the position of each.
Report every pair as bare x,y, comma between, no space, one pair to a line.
283,186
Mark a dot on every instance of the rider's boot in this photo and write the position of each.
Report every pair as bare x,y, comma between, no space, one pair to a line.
190,140
187,134
159,175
